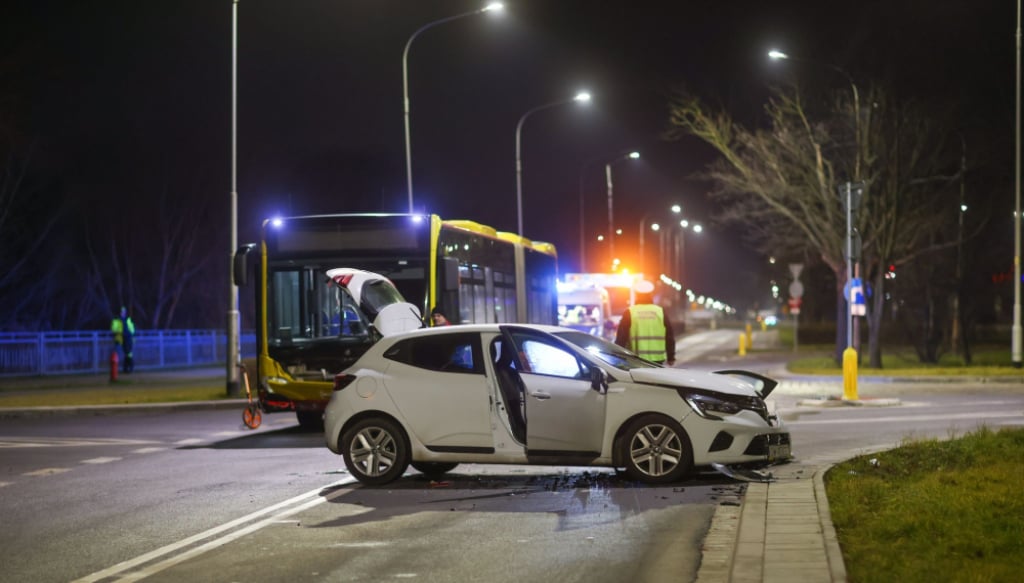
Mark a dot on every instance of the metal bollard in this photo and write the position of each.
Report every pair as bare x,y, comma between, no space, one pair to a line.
113,366
743,344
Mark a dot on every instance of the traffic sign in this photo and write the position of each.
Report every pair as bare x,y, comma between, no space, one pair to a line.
796,289
794,305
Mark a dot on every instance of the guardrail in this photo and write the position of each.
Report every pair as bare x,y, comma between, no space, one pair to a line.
52,353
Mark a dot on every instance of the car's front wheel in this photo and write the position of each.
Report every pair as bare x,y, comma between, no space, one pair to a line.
376,451
657,450
434,469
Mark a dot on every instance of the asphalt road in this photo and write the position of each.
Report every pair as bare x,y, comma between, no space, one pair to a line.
193,495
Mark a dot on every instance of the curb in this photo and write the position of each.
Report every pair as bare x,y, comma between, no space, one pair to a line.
101,410
836,566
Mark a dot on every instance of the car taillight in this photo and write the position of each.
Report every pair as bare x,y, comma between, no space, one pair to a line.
342,380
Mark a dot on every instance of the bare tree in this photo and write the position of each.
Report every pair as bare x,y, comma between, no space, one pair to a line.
782,182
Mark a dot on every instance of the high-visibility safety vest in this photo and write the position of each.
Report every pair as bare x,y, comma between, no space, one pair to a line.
117,328
647,331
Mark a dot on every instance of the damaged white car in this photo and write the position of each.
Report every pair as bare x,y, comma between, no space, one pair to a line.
532,394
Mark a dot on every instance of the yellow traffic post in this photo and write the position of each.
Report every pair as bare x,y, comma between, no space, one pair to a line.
743,345
850,374
750,338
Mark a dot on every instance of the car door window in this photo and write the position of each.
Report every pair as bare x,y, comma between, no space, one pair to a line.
456,353
547,359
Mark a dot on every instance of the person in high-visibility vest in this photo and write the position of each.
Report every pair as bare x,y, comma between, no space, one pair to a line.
123,330
645,329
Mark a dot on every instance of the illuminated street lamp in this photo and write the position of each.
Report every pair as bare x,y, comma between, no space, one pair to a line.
494,6
777,55
611,204
581,97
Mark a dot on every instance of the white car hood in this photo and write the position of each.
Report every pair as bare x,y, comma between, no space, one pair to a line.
686,378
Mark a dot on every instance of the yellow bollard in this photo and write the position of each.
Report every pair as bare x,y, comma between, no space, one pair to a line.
850,374
750,338
743,345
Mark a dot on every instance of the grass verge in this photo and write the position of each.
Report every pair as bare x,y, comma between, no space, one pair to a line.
112,396
933,510
986,362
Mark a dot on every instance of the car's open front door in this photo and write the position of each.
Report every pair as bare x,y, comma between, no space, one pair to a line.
565,416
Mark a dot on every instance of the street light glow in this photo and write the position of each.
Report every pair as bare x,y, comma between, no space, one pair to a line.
582,97
634,155
697,228
493,6
777,54
677,209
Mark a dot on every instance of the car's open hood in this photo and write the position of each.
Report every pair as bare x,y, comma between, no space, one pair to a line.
729,382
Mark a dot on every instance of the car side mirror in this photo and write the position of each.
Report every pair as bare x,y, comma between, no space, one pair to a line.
599,380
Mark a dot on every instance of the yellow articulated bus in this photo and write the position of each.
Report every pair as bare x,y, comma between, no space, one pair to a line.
469,271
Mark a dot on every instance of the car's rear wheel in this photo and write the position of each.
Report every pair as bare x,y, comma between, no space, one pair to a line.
434,469
657,450
376,451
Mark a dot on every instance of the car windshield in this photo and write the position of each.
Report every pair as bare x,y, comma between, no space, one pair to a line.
613,354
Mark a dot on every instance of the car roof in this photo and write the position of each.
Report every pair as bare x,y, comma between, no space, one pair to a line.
478,328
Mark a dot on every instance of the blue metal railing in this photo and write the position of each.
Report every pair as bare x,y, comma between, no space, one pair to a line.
52,353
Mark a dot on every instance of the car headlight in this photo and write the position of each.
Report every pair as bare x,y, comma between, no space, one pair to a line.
706,406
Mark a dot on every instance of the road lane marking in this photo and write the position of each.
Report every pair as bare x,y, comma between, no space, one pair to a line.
101,460
47,472
2,484
953,416
125,570
15,442
189,441
149,449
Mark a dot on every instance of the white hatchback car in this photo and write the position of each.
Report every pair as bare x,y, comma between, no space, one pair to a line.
531,394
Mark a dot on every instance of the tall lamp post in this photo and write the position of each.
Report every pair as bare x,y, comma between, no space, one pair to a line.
581,97
676,209
776,55
680,246
611,204
405,84
1015,347
233,348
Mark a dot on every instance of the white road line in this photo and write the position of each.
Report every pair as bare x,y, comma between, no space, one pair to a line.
101,460
953,416
189,441
282,509
149,449
47,472
11,442
2,484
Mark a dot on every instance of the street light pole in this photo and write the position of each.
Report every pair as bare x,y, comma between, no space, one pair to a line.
1016,342
611,204
405,85
777,55
582,97
233,348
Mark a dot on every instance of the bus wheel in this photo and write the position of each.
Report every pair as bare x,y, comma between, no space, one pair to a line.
310,420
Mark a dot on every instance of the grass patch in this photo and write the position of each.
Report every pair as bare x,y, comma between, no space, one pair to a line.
112,396
933,510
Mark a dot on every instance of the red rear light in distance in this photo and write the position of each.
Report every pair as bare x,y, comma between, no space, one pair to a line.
342,380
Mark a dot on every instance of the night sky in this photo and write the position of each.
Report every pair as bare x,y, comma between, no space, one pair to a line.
122,96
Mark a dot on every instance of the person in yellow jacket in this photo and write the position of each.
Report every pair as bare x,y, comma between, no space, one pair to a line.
123,330
645,329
